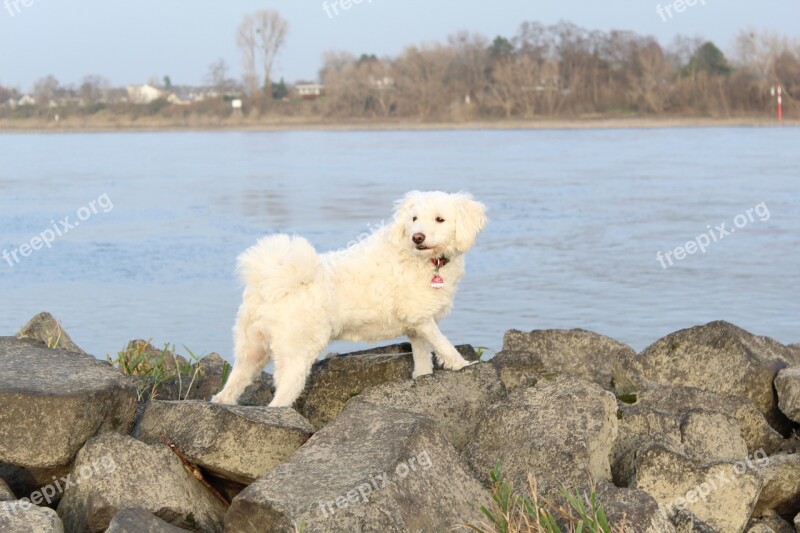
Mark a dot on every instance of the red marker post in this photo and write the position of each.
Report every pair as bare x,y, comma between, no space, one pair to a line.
778,93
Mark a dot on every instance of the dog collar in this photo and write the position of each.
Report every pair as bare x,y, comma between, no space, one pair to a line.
439,262
437,282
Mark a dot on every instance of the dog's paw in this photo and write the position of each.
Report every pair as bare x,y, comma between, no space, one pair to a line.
219,398
426,372
458,365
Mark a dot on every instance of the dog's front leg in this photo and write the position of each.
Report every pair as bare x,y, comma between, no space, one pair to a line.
445,351
423,362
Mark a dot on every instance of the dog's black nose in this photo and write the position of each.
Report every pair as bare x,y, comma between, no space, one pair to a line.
418,238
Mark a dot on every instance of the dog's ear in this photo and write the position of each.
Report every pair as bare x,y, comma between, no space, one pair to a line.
470,220
402,211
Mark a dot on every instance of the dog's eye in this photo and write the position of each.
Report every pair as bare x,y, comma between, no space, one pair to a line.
439,220
414,219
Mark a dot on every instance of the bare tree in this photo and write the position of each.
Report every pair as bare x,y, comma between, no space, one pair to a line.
246,40
94,89
45,89
271,31
334,62
470,63
260,36
422,85
649,78
361,87
217,77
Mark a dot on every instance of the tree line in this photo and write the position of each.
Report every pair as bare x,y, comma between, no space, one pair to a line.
564,70
550,71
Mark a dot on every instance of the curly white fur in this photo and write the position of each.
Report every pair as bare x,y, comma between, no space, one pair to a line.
296,301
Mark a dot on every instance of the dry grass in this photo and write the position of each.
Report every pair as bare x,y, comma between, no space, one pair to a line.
510,512
113,123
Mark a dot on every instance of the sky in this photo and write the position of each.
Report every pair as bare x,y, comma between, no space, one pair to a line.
131,42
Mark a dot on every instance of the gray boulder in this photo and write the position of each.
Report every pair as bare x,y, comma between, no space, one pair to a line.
772,523
636,509
115,471
5,493
24,517
210,371
787,383
43,327
703,436
721,494
519,369
755,429
562,431
721,358
455,401
333,381
686,522
702,425
138,520
797,522
781,492
576,352
795,348
234,442
374,468
53,401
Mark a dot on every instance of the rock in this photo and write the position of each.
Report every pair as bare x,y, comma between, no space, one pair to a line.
795,348
797,522
769,524
519,369
260,392
234,442
756,432
686,522
758,527
212,370
374,468
781,491
721,494
698,424
115,471
562,431
5,492
45,328
575,352
787,383
150,356
634,508
138,520
694,357
24,517
53,401
455,401
333,381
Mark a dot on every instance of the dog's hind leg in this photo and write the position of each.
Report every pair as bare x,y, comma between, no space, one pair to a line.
423,362
290,378
294,351
251,355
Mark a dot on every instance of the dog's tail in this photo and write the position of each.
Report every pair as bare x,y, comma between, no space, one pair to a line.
278,265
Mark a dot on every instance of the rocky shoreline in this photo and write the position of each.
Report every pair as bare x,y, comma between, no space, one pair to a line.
697,433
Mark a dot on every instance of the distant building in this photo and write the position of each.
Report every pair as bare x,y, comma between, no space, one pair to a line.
143,94
309,91
181,98
27,100
384,83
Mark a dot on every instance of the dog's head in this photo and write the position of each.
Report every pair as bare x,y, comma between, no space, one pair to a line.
437,223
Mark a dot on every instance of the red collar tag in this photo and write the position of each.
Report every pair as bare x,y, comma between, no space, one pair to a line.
437,282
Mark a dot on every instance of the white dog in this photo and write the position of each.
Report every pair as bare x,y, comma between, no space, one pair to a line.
400,280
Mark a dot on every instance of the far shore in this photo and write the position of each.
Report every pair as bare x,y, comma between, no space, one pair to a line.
83,125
